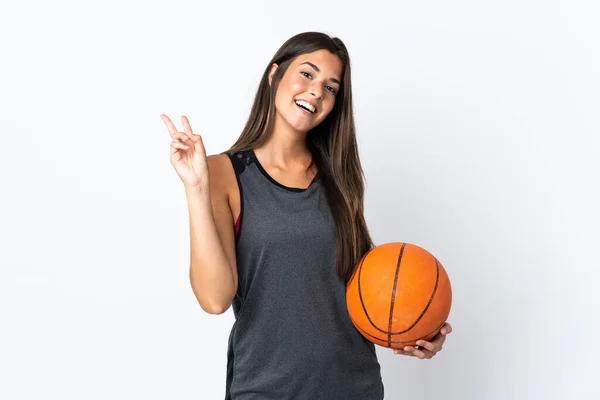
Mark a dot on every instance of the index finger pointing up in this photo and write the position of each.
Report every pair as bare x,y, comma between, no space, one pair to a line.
169,124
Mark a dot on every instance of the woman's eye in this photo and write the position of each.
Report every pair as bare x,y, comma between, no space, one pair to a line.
305,74
332,90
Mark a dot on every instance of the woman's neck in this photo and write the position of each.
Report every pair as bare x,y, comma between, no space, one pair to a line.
285,148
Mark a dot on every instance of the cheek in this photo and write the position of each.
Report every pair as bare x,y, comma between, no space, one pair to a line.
296,84
328,106
289,87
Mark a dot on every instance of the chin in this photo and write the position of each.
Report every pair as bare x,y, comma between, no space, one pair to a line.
299,123
300,126
304,128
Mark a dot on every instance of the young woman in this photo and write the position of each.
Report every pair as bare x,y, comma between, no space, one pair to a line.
277,228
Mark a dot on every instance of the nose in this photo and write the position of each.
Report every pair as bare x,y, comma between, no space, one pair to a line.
316,90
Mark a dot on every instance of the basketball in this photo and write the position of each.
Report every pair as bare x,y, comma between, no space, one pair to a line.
398,294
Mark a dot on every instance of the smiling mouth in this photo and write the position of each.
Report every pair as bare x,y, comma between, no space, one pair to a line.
305,106
304,110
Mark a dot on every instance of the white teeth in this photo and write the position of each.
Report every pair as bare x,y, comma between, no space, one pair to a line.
305,104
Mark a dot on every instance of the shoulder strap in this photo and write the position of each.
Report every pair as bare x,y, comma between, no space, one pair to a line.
239,160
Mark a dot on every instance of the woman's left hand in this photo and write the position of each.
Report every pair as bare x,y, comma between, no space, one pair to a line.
424,349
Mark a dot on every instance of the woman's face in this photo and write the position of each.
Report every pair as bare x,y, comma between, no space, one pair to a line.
307,91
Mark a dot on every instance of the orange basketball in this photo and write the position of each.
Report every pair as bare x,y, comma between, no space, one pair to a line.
398,294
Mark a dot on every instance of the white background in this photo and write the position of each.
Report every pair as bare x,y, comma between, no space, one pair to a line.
478,126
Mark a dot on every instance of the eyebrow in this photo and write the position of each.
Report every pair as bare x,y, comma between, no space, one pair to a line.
318,70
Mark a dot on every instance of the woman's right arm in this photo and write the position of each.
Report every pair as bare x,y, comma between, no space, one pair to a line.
213,269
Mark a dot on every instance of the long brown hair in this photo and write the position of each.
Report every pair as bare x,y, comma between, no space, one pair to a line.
332,144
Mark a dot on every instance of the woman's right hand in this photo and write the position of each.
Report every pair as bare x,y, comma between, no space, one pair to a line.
188,155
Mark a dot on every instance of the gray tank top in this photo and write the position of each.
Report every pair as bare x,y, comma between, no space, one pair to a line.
292,337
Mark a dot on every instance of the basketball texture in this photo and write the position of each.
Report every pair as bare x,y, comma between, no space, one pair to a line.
398,294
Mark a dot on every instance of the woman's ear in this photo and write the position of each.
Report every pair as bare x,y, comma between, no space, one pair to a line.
271,72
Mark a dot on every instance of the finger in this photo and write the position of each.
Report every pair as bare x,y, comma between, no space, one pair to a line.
192,137
178,145
199,145
402,352
424,354
169,124
187,128
428,345
446,329
439,339
175,152
181,136
419,353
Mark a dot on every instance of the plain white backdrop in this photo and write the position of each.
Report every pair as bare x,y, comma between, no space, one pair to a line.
478,125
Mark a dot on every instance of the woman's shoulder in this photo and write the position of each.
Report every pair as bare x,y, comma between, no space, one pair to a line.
236,160
229,164
243,156
223,169
221,173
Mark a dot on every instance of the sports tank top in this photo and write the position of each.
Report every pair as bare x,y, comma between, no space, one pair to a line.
292,337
